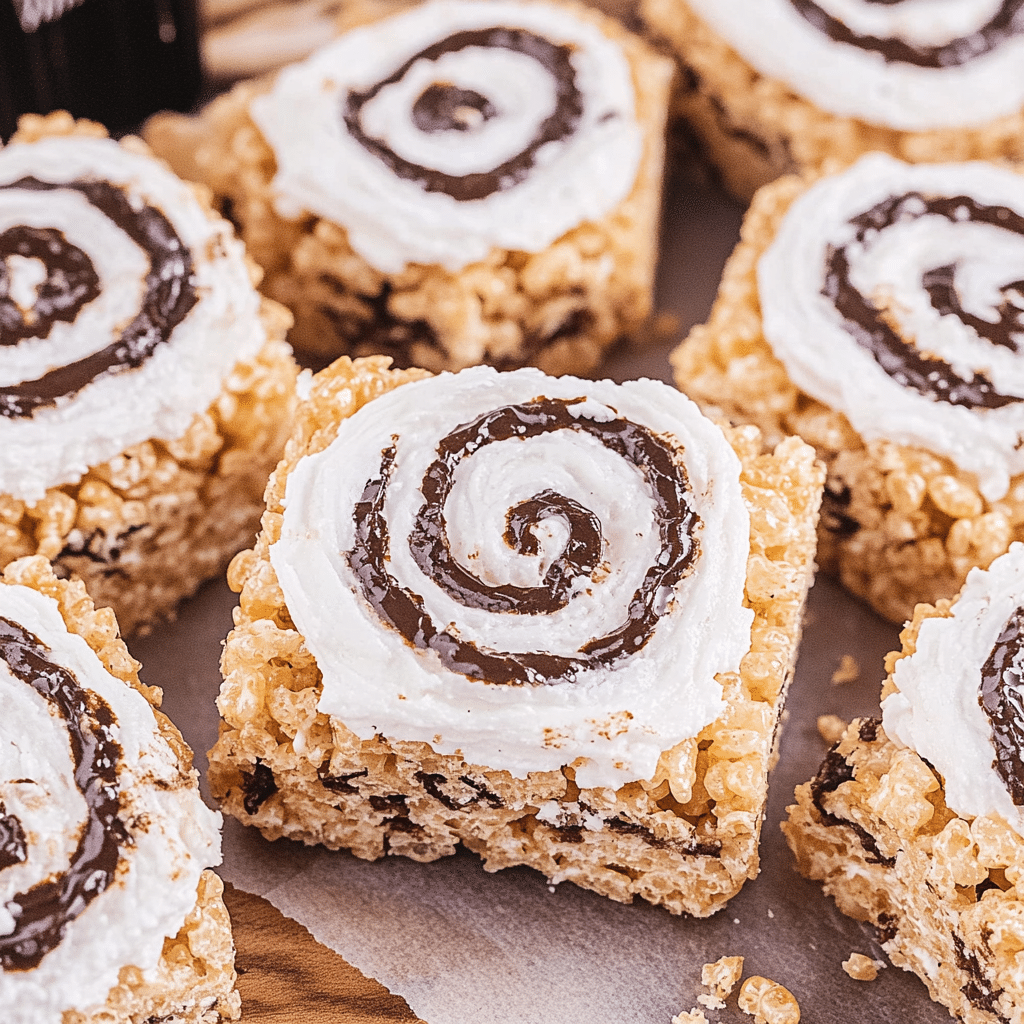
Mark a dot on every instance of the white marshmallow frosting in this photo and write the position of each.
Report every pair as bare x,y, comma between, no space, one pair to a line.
937,711
888,267
323,168
173,835
973,83
158,399
618,717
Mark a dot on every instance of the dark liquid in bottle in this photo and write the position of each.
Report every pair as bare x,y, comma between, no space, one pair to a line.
115,61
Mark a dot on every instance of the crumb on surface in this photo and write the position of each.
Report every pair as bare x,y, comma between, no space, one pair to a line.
711,1002
861,967
848,671
831,728
768,1002
721,976
695,1016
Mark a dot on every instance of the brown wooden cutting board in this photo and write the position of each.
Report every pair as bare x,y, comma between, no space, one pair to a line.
286,977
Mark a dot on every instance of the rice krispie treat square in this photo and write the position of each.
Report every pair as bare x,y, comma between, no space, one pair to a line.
550,619
145,386
915,822
458,183
110,914
875,312
769,87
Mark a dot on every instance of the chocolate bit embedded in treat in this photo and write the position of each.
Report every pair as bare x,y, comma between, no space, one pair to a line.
404,610
834,771
168,296
13,848
432,783
981,993
1002,698
338,783
1005,23
930,376
257,787
391,802
559,125
49,906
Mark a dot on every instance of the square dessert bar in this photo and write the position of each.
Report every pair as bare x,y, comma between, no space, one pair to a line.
685,835
138,468
776,87
147,937
534,239
923,457
913,823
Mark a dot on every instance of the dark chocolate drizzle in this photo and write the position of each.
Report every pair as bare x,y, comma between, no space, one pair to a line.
929,376
71,282
443,107
439,106
13,848
404,611
1006,22
49,906
168,297
1002,699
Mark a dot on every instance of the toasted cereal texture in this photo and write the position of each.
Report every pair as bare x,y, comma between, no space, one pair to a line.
721,976
694,1016
753,128
874,827
194,982
899,525
861,967
686,838
145,529
559,309
768,1002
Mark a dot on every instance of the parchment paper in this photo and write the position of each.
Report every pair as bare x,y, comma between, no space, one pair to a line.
466,947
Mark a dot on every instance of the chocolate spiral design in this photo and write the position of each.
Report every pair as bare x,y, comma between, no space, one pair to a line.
870,328
13,848
443,106
404,610
1007,21
1002,698
49,906
71,283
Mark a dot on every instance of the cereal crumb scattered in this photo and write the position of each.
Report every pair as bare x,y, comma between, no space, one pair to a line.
721,977
831,728
848,671
711,1002
768,1002
861,967
695,1016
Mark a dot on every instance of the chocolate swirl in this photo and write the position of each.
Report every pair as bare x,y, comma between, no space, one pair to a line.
871,328
1002,699
443,106
71,282
13,848
45,910
404,610
1007,21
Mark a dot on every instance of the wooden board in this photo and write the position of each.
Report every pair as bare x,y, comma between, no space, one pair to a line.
286,977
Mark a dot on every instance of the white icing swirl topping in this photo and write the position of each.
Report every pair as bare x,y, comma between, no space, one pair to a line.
56,768
123,306
894,293
906,64
455,128
938,711
525,569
